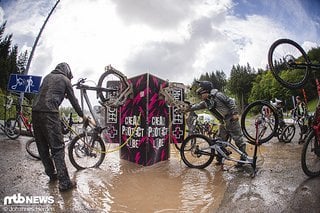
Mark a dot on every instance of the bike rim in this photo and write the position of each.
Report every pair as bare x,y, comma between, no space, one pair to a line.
286,59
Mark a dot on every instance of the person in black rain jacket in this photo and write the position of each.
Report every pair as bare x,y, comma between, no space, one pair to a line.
47,126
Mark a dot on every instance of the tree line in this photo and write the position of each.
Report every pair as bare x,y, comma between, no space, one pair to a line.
245,84
11,62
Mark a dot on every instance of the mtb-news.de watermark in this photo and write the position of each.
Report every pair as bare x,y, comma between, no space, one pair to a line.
18,202
23,200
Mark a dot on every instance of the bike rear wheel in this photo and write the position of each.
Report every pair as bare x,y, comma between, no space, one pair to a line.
196,151
85,151
288,133
267,124
13,128
286,58
310,156
32,149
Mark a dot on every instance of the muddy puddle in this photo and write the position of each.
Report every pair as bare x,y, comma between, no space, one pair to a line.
168,186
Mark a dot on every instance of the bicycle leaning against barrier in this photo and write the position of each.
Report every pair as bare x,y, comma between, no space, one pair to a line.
286,56
87,149
198,150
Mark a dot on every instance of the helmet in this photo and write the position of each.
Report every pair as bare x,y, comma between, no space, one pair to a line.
204,87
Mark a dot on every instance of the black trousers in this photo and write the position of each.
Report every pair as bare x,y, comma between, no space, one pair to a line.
50,144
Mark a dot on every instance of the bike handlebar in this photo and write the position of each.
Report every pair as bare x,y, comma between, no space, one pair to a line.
80,85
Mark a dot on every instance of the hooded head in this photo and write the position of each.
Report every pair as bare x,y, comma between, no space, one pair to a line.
63,68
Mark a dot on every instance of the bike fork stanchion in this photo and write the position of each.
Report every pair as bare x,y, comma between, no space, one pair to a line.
254,160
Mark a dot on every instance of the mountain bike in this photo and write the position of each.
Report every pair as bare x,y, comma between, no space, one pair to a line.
290,129
87,149
14,125
198,151
286,56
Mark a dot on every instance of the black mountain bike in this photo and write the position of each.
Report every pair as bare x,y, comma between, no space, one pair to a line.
87,149
286,56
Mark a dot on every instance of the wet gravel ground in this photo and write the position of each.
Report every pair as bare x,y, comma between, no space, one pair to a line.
120,186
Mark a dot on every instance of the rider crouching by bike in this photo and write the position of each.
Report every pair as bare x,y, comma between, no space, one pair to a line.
225,110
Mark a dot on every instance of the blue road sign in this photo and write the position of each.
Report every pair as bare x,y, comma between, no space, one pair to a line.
24,83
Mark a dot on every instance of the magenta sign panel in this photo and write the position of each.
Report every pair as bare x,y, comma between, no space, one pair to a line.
144,123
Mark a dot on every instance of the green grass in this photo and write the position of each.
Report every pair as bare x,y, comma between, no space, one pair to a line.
312,105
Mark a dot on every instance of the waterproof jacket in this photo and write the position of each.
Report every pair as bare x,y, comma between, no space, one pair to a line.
220,105
54,88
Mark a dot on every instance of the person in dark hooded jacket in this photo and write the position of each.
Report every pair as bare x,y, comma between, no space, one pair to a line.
47,126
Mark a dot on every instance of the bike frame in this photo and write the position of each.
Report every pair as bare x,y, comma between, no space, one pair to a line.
25,121
218,143
97,129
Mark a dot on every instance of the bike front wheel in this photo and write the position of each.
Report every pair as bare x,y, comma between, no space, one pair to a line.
289,63
13,128
32,149
196,151
310,156
86,151
259,122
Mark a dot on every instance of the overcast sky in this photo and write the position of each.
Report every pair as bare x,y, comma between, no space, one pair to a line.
172,39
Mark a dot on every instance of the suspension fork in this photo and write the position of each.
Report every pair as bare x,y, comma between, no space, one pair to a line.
254,161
